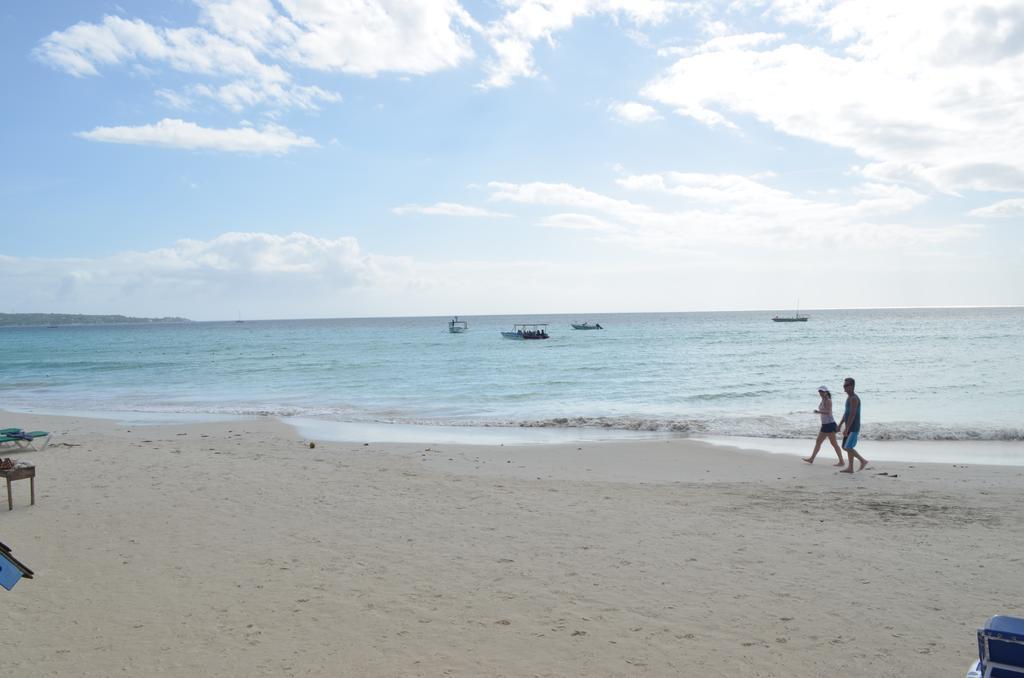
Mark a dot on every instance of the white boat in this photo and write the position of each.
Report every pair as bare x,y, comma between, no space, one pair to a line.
586,326
528,331
456,326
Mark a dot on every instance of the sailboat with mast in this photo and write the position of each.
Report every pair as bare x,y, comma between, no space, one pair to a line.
796,318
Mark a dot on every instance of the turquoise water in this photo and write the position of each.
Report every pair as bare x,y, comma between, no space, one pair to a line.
922,374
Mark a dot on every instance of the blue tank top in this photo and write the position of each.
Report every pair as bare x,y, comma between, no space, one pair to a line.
855,424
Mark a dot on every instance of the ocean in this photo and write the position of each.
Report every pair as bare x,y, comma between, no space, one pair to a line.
923,374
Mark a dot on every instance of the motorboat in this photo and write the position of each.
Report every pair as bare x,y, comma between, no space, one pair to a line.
528,331
586,326
456,326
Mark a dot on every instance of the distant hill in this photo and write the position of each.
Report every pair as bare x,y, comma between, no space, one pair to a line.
10,319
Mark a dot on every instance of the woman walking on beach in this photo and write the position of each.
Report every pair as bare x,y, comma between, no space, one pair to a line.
828,427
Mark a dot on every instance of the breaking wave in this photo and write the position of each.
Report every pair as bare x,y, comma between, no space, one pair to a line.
772,427
753,427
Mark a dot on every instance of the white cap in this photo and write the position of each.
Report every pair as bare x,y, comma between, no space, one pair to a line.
823,388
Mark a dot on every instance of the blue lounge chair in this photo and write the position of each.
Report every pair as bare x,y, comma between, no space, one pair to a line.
1000,649
23,440
11,570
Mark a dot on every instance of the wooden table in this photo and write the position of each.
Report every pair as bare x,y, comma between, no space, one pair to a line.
19,474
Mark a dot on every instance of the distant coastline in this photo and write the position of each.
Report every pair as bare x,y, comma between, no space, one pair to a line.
48,319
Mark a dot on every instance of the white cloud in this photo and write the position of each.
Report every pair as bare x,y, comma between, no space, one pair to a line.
737,211
81,48
580,222
722,43
174,99
291,275
256,24
1003,209
927,92
512,37
173,133
540,193
265,253
239,95
797,11
254,44
409,36
710,188
633,111
406,36
261,275
448,209
251,43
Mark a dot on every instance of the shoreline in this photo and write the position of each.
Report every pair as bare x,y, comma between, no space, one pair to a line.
974,452
235,549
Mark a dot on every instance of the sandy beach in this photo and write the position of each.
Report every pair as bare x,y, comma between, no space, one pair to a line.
234,549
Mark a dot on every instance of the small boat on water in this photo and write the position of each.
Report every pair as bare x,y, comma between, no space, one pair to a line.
795,318
456,326
528,331
586,326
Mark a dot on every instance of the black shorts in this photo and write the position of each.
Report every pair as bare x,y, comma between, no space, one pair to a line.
829,428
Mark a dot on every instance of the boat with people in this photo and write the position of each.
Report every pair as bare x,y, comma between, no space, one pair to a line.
528,331
586,326
456,326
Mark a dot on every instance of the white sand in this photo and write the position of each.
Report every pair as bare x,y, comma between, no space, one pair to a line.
232,549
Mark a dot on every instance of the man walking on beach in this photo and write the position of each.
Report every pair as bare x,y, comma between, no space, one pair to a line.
851,418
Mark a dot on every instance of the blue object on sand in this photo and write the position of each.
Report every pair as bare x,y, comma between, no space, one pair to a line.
9,572
1001,648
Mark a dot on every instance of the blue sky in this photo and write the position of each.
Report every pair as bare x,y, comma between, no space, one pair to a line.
296,158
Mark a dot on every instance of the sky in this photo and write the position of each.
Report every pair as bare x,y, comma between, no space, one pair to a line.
216,159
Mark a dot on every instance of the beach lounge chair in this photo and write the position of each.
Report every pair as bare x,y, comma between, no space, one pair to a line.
11,570
1000,649
23,440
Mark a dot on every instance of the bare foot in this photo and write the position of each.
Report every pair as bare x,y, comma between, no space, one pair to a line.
839,463
863,463
847,470
808,460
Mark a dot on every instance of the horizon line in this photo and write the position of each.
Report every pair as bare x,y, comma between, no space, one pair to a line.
597,313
